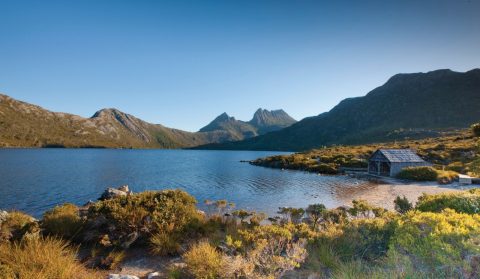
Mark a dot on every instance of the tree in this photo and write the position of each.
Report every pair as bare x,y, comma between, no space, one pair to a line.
360,208
292,214
402,205
242,214
315,212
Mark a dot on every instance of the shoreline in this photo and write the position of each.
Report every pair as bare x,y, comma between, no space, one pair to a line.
384,190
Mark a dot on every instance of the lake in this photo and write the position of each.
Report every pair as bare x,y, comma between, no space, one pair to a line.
35,180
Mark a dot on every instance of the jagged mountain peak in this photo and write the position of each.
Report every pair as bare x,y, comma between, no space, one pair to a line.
270,120
407,105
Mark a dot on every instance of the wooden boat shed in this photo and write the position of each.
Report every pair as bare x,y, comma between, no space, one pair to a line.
389,162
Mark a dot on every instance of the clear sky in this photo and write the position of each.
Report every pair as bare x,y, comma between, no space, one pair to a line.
182,63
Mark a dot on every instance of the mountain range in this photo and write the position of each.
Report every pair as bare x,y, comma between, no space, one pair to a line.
407,106
26,125
263,121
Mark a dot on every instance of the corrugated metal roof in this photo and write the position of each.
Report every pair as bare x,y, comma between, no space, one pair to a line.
401,155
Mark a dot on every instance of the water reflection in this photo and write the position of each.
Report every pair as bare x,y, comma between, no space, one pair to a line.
34,180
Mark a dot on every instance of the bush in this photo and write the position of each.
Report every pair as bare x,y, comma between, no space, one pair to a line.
271,249
418,174
476,129
402,205
363,238
323,168
42,259
164,244
62,221
446,177
16,224
140,216
203,261
456,167
437,241
463,202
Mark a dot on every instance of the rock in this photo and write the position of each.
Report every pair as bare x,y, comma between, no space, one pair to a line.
3,216
124,188
121,276
111,193
154,275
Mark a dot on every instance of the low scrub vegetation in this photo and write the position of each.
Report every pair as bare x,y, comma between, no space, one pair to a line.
62,221
464,202
418,174
438,238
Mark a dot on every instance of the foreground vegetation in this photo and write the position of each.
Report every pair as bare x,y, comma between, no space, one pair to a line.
439,237
457,152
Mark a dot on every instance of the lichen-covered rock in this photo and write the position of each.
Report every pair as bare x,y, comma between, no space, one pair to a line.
111,193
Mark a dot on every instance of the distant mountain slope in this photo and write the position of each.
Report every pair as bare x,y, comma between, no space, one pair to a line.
267,121
237,129
407,105
27,125
263,121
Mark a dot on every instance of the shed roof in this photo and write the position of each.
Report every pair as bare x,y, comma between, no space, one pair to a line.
401,155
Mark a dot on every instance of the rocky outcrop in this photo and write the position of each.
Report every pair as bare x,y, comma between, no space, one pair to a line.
263,121
111,193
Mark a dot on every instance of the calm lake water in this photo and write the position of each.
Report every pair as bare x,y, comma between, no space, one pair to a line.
35,180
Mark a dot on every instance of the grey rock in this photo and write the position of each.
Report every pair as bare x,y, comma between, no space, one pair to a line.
3,215
154,275
111,193
121,276
124,188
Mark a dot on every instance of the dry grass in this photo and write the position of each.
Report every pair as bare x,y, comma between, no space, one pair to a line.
203,261
47,258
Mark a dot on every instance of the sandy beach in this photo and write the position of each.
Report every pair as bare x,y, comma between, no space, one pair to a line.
383,191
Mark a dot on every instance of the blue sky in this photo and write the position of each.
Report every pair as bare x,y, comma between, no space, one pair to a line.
182,63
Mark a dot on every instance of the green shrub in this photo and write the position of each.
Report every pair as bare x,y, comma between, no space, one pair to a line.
418,174
463,202
456,167
42,259
163,244
446,177
139,216
203,261
437,241
402,205
62,221
363,238
316,212
323,168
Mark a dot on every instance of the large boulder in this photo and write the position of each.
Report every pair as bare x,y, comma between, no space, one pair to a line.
111,193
